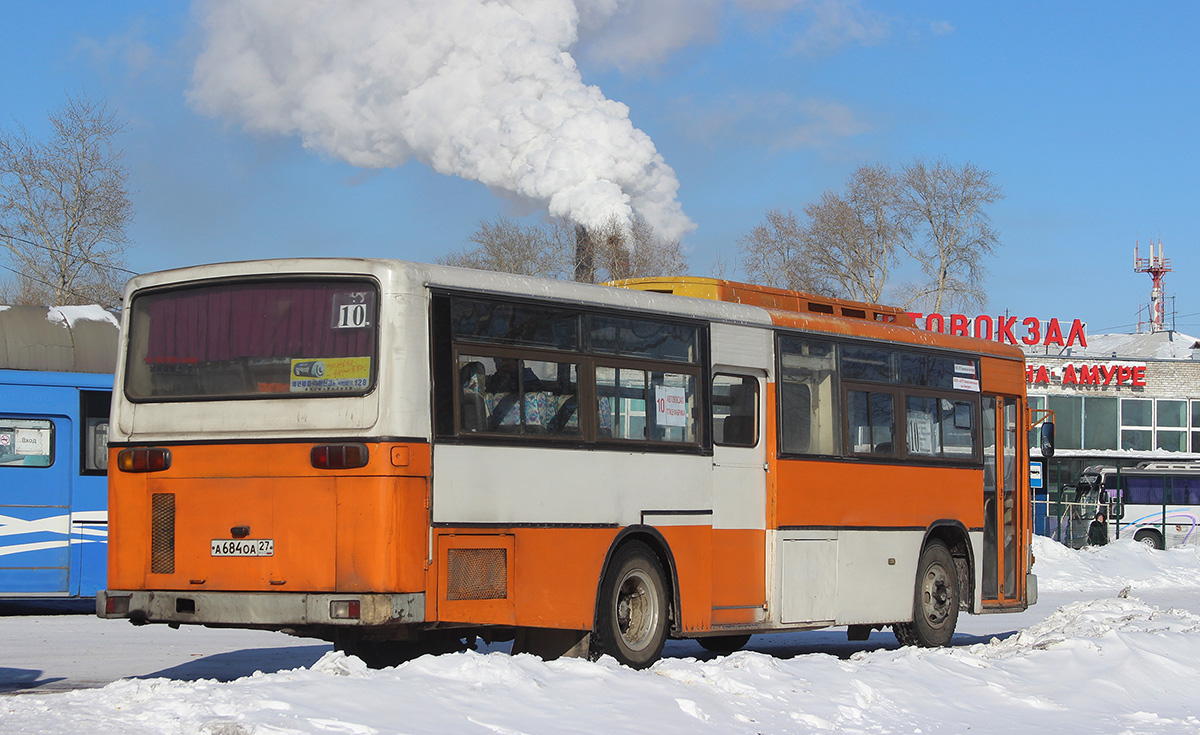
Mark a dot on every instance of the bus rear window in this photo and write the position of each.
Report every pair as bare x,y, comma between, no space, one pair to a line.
276,339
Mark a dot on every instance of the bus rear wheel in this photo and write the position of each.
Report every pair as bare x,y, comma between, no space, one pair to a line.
1149,538
935,600
631,622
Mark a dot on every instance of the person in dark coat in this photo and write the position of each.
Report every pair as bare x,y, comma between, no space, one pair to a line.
1098,530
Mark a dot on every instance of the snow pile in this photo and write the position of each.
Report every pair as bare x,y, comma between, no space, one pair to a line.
1111,665
1119,565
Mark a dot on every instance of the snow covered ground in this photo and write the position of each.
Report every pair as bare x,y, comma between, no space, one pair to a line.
1113,647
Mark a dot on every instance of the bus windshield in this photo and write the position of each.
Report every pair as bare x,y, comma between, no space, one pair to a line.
278,338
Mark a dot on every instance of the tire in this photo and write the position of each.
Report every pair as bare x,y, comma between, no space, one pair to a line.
724,644
1149,538
935,600
633,609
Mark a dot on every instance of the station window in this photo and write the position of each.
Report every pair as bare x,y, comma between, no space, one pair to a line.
1099,422
1137,417
1196,426
1171,420
1036,402
1068,421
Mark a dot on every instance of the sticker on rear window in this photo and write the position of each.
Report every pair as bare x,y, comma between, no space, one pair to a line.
328,375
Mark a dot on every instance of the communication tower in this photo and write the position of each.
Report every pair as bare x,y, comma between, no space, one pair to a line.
1158,267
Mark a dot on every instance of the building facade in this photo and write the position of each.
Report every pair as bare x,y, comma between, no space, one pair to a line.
1122,398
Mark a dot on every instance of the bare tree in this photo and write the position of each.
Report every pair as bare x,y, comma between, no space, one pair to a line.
633,251
775,253
853,244
948,205
64,208
853,239
558,250
510,247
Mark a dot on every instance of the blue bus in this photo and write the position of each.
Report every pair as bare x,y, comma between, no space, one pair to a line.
53,456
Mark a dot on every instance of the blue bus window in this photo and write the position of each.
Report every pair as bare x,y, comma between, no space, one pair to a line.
26,442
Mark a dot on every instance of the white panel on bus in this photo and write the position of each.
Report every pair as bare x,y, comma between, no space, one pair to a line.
506,484
808,577
883,566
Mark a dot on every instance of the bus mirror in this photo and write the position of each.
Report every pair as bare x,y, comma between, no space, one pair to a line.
1047,438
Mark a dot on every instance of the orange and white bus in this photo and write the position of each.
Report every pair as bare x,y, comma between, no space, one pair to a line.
400,457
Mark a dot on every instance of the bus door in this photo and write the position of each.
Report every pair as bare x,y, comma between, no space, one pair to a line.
1002,584
35,498
739,498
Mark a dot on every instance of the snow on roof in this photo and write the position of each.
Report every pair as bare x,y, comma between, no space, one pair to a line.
71,315
1169,345
59,338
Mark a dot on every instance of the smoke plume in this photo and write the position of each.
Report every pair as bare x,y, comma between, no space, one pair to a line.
482,89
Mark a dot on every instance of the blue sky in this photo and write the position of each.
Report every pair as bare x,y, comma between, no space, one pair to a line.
1086,112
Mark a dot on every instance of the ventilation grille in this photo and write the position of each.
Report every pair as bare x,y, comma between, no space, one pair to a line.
476,574
162,533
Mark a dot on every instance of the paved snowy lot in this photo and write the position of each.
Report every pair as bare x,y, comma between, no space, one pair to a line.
1111,648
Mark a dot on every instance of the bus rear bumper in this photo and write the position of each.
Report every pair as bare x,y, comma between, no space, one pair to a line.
261,609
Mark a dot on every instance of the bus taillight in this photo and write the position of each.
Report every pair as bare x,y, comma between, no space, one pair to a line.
344,609
116,605
149,459
339,456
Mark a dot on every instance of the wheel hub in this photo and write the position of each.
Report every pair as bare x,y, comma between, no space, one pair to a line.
936,596
637,610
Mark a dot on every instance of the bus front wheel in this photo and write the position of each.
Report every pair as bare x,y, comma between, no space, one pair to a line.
631,622
935,600
1149,538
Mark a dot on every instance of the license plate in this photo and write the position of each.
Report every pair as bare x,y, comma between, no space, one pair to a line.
243,547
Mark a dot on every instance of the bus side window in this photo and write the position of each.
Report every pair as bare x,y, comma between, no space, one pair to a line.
809,416
871,425
472,407
26,442
735,410
97,445
94,408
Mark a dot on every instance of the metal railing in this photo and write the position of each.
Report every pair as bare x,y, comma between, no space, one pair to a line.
1063,521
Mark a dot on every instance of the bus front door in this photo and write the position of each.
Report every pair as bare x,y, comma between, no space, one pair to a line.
1002,584
35,499
739,495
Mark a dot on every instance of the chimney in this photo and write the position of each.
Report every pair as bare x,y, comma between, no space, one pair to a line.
585,256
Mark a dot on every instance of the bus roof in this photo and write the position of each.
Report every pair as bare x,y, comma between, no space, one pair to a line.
801,310
688,296
767,297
